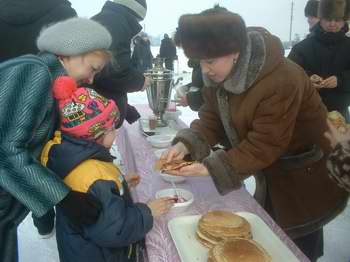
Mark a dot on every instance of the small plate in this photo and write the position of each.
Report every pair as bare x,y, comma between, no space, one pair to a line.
170,192
160,141
159,152
170,178
172,115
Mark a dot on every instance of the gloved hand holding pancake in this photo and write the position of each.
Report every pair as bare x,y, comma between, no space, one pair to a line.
338,121
339,131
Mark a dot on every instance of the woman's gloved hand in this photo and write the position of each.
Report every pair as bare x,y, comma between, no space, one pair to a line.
80,208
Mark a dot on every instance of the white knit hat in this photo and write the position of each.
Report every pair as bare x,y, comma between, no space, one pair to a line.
139,7
74,36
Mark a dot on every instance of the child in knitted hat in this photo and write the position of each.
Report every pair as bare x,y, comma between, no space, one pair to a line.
79,154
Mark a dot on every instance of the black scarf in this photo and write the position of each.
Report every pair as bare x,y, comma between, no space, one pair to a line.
329,38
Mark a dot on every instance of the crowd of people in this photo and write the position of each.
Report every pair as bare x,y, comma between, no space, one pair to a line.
64,94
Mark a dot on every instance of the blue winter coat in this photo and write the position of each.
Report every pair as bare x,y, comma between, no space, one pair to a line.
87,167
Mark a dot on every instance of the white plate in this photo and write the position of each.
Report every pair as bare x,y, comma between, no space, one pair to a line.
160,141
159,152
170,192
172,115
183,231
170,178
170,129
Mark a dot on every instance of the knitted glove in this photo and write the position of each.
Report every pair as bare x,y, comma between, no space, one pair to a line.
131,114
80,208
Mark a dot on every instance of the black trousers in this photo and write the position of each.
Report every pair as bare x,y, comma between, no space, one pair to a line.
12,213
311,244
46,223
169,63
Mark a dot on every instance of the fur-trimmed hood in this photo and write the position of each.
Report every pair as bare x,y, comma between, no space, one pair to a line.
262,54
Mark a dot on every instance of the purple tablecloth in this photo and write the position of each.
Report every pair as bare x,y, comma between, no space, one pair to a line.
139,156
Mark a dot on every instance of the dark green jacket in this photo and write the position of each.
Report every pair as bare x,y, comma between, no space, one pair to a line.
27,122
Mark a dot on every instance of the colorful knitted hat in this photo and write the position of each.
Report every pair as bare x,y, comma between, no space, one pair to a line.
84,113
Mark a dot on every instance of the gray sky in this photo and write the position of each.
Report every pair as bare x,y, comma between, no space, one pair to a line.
162,15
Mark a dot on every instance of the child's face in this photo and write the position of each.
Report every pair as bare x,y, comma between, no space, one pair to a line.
107,138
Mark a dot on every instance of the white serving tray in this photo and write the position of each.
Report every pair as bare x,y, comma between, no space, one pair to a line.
183,230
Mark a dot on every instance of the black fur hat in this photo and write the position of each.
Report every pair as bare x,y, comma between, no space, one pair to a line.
311,8
334,9
212,33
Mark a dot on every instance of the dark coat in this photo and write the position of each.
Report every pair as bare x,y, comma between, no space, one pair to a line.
327,54
142,55
167,48
273,118
195,98
27,122
116,80
21,22
87,167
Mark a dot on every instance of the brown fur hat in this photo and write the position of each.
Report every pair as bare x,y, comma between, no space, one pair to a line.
334,9
212,33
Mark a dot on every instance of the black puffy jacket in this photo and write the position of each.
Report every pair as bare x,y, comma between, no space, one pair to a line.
327,54
115,81
21,22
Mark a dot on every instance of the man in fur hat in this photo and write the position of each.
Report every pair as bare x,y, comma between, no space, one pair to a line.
311,12
265,106
325,55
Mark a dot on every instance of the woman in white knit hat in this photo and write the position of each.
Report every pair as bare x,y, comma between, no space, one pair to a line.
76,47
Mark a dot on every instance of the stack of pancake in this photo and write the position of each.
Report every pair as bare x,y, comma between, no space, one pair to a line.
242,250
229,238
216,226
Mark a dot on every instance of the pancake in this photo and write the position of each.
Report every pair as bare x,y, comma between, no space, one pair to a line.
162,166
238,250
218,226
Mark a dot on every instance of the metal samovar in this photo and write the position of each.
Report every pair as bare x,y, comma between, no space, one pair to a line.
159,89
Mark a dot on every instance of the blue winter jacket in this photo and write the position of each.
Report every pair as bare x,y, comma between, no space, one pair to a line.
122,225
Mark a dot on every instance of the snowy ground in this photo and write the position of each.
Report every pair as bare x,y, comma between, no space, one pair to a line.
32,248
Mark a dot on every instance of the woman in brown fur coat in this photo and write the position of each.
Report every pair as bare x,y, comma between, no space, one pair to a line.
274,119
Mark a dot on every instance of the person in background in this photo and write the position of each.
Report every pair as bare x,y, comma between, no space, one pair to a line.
324,56
265,106
339,159
167,51
79,154
21,22
76,47
311,13
142,55
121,18
191,94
